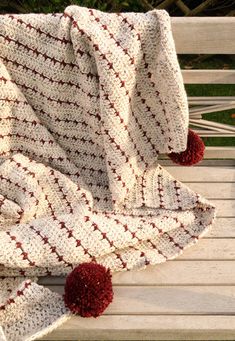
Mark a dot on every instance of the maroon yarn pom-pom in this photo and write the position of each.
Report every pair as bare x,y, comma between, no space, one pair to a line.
194,152
88,290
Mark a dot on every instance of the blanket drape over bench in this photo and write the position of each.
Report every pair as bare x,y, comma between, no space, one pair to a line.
88,100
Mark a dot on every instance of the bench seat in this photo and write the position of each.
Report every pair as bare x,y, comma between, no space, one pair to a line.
193,296
189,298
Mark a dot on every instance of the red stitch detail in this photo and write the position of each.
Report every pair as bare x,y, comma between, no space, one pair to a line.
35,51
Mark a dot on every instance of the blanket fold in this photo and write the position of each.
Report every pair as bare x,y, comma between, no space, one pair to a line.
88,100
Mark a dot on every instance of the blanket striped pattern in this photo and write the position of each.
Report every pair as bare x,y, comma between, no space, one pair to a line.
88,100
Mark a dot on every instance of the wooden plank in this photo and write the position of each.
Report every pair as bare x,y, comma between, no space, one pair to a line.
134,327
188,273
206,133
198,100
208,76
214,152
155,300
211,191
203,163
210,249
224,152
213,125
206,35
196,174
222,228
225,208
211,108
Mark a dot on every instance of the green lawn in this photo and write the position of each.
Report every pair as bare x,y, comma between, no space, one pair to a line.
215,62
222,116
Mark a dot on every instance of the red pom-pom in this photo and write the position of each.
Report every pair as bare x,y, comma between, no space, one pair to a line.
194,152
88,290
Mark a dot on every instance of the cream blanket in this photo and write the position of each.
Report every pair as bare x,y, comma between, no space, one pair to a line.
87,102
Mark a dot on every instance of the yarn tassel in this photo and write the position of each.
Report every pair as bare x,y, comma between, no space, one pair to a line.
194,152
88,290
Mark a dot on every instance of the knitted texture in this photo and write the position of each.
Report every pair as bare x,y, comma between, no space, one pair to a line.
88,100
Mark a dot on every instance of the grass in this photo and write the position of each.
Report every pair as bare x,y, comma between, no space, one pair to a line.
221,116
215,62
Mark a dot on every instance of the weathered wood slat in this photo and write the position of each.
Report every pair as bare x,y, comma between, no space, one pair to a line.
213,125
222,228
208,76
211,108
224,152
206,133
204,163
134,327
188,273
215,152
170,300
225,208
210,249
208,35
209,190
205,174
207,100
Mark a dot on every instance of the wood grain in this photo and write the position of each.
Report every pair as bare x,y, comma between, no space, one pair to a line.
188,273
147,327
208,76
173,300
204,35
207,174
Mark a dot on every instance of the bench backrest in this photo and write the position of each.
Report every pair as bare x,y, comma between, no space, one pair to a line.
208,35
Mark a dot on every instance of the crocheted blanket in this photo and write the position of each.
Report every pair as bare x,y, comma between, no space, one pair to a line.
88,100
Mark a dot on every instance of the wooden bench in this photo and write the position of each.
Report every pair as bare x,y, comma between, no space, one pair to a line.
193,296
